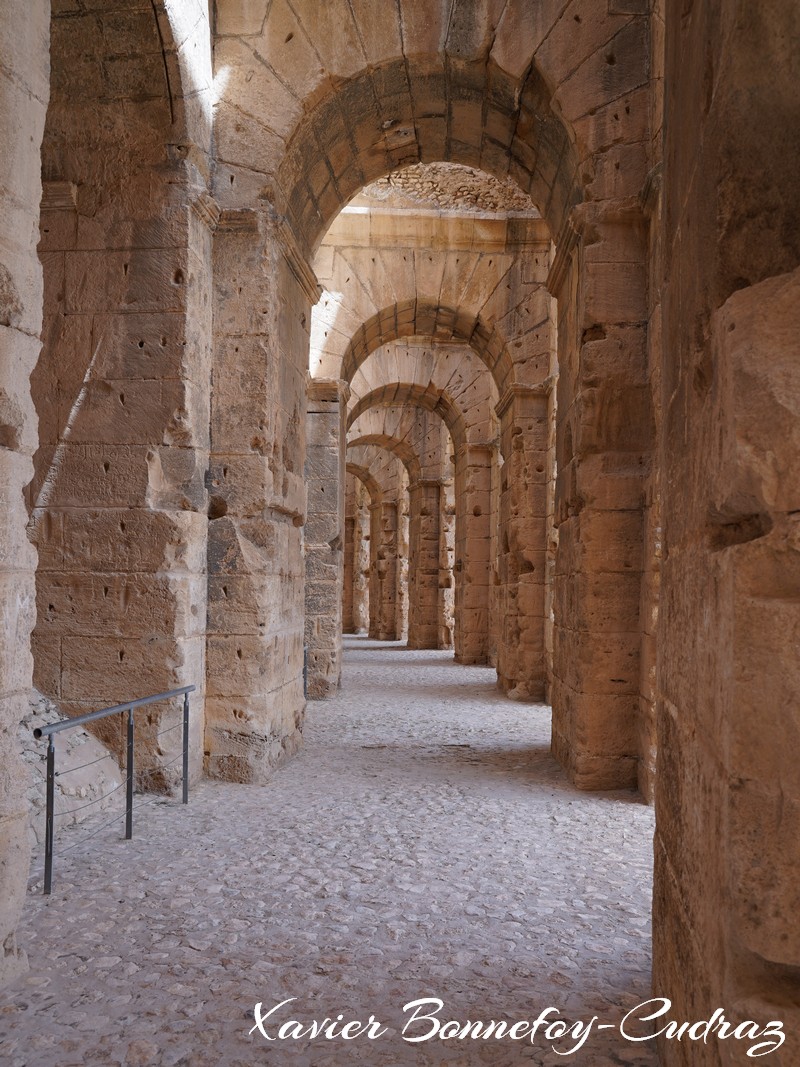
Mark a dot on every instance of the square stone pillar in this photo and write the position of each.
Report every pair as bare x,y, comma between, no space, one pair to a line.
383,571
264,292
118,502
348,576
521,654
472,569
426,604
24,58
604,435
324,549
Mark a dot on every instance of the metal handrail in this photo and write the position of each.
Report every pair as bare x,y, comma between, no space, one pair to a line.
68,724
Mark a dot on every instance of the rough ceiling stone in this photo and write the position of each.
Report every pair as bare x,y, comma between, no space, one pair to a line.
449,186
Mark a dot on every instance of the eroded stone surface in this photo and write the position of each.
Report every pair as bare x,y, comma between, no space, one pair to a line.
447,186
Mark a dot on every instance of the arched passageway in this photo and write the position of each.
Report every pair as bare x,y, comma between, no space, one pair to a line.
206,181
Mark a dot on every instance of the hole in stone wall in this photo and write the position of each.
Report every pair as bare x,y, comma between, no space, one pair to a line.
724,530
178,277
141,344
217,507
106,466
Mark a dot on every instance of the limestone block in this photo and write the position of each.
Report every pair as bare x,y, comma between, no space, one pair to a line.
611,481
109,475
614,417
94,674
129,540
753,340
242,664
625,120
597,662
146,346
18,355
133,280
577,35
18,612
246,604
141,412
763,820
46,651
132,605
16,552
239,485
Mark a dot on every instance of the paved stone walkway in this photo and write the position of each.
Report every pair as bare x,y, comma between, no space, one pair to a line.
424,844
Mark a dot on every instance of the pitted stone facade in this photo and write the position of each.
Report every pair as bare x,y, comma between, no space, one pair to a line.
468,324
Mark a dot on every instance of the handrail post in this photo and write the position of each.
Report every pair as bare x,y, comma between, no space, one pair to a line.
129,783
185,748
49,815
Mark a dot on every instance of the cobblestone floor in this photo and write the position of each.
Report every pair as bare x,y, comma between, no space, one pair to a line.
424,844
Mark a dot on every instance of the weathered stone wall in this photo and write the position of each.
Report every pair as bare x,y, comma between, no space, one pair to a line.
352,536
728,789
23,100
122,386
263,298
324,532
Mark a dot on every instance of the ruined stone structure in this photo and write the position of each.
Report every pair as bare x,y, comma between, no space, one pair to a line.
469,323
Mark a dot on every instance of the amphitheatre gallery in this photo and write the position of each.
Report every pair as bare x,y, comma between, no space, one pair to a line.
399,533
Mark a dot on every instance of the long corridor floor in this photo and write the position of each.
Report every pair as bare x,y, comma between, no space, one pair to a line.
423,845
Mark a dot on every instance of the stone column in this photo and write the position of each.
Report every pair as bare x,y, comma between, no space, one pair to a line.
348,577
361,561
402,561
383,570
521,657
447,550
263,297
325,475
425,599
24,59
472,568
727,846
603,440
118,501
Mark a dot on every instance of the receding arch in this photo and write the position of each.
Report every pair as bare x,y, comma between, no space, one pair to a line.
424,318
398,394
367,478
426,109
395,445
